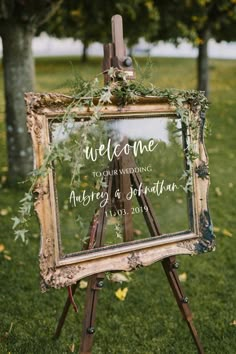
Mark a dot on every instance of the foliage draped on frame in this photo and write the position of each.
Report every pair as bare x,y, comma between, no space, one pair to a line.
83,94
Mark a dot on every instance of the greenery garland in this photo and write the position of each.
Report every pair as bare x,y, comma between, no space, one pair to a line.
84,93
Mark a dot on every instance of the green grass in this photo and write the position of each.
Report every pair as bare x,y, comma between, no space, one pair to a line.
148,321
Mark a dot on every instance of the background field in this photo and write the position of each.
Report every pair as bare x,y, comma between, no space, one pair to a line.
148,321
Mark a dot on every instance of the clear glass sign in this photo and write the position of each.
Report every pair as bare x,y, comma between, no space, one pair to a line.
127,166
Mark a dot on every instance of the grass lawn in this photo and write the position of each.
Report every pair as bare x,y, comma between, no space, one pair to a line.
148,321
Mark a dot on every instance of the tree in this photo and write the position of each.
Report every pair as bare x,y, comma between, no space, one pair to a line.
198,21
89,21
18,22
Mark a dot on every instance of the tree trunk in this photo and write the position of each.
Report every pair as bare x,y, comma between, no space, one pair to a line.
84,57
202,63
18,66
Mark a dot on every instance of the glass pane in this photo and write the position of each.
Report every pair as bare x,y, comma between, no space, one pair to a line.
125,168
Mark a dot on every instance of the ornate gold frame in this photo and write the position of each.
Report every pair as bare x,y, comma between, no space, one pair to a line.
57,271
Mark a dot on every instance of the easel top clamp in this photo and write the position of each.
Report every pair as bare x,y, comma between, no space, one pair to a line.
115,52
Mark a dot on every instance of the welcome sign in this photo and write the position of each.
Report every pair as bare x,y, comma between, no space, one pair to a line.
132,190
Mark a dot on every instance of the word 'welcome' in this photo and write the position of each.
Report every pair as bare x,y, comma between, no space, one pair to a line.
137,148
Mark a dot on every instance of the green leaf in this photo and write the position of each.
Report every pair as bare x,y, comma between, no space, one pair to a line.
27,197
106,96
16,221
21,234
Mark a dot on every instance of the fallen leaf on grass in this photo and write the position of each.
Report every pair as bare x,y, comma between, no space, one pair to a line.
121,293
233,323
183,277
83,284
137,232
216,229
3,179
3,212
8,258
226,232
179,201
72,347
218,192
119,277
2,247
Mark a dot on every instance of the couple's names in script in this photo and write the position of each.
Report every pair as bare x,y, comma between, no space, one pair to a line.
85,198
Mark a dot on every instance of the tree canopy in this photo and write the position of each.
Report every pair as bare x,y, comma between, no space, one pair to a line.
28,13
89,21
197,21
190,18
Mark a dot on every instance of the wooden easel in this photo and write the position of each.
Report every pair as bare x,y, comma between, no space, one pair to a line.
115,56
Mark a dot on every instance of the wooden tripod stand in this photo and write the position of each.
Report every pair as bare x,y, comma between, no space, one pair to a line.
115,56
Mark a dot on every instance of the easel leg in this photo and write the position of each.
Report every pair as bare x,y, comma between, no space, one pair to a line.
169,264
64,313
95,283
